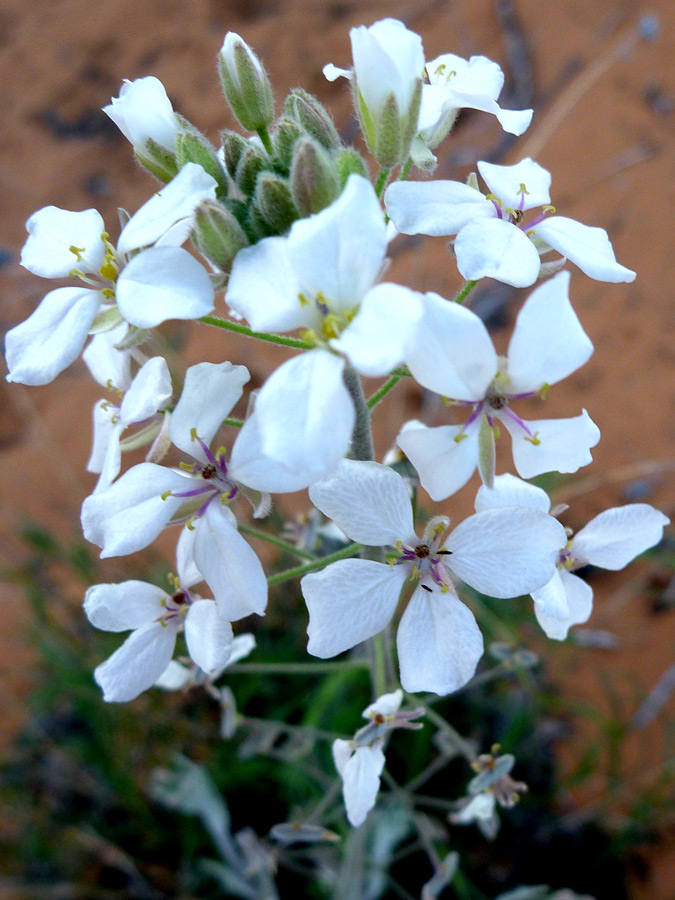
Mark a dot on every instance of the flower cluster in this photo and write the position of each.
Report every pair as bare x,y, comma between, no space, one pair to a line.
293,231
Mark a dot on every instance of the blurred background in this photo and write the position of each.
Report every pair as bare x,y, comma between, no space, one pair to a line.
600,79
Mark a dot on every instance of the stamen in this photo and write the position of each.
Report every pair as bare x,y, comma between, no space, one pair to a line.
507,411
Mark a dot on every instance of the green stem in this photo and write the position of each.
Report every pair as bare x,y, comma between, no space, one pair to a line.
296,343
402,372
346,552
466,290
264,136
383,391
362,436
237,423
405,169
377,664
278,542
309,668
294,729
382,179
455,737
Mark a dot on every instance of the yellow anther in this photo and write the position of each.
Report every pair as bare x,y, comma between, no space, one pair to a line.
523,189
446,401
414,572
549,209
459,437
444,589
193,434
108,293
309,336
166,494
494,749
330,327
543,391
224,499
439,69
534,440
496,432
439,528
187,467
190,523
108,271
221,451
183,611
173,580
391,562
303,300
78,273
495,199
77,252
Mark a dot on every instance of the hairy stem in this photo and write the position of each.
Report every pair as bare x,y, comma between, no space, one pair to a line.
461,296
319,563
362,436
382,392
382,180
296,343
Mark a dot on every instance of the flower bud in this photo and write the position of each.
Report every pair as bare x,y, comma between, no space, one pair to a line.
285,134
274,200
388,67
253,161
350,162
313,117
217,234
314,179
234,146
245,83
193,146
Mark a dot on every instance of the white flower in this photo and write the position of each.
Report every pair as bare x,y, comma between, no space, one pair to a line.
161,282
455,357
139,405
502,553
609,541
177,676
320,278
452,84
387,75
155,619
360,761
494,238
143,112
130,514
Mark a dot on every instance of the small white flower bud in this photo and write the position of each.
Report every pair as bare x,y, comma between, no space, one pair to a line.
245,83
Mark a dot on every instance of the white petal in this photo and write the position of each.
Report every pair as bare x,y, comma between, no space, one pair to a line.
138,663
144,111
174,677
174,204
496,249
149,391
386,705
131,513
507,181
506,552
368,501
229,566
511,491
548,342
515,121
125,606
332,72
265,289
349,601
452,354
241,647
51,234
379,337
186,568
435,207
163,283
439,644
339,252
480,808
107,364
444,464
579,597
361,782
209,393
551,599
110,461
208,636
565,444
301,426
104,431
342,753
587,247
615,537
387,58
51,338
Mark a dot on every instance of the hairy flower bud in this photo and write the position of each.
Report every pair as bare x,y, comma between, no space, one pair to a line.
234,147
193,146
314,179
253,161
286,133
245,83
217,234
350,162
313,117
274,199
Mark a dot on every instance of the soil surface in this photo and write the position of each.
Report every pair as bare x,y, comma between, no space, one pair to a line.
603,98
